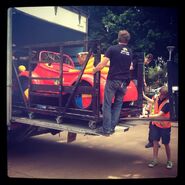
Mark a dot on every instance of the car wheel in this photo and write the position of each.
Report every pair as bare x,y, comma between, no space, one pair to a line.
82,100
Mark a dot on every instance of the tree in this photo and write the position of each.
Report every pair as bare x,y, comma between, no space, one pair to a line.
151,28
157,76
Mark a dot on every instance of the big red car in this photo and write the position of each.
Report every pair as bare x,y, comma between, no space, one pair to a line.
48,66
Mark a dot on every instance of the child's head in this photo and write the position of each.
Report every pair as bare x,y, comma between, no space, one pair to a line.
163,92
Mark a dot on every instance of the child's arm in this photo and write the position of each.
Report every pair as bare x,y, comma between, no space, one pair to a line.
147,98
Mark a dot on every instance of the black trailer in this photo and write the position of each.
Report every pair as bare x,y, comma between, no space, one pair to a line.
33,25
62,113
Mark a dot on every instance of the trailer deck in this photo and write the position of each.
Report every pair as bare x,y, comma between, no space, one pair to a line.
74,127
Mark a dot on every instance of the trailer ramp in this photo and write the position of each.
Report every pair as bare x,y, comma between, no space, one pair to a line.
70,127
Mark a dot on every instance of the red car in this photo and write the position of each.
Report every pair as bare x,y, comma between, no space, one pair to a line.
49,67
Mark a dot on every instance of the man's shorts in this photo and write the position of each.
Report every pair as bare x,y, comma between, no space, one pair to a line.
163,133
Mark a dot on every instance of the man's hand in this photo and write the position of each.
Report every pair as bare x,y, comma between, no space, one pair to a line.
94,70
101,65
143,93
145,83
131,66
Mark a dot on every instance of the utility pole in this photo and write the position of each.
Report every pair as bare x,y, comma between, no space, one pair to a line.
171,74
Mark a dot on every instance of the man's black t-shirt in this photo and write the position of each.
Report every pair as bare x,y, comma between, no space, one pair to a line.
120,59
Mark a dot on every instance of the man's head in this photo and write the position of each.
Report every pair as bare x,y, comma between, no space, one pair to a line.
148,58
163,92
123,36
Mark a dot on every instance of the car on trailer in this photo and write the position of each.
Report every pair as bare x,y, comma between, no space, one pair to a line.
48,66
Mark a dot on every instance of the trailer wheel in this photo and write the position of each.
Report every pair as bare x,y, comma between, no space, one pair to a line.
31,115
92,124
82,100
59,119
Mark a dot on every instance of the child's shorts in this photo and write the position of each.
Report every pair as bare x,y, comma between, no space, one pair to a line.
163,133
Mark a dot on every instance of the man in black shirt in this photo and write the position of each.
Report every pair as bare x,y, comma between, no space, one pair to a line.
120,57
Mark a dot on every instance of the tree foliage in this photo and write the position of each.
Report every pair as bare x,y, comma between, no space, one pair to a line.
151,28
156,76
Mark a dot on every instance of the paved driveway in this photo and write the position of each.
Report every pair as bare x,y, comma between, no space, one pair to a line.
121,156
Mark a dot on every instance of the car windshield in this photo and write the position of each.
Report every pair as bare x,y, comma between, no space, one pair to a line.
54,57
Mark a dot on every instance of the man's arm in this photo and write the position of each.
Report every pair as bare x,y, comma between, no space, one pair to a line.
101,65
144,78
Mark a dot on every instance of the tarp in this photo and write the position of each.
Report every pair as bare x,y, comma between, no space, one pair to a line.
28,29
69,17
